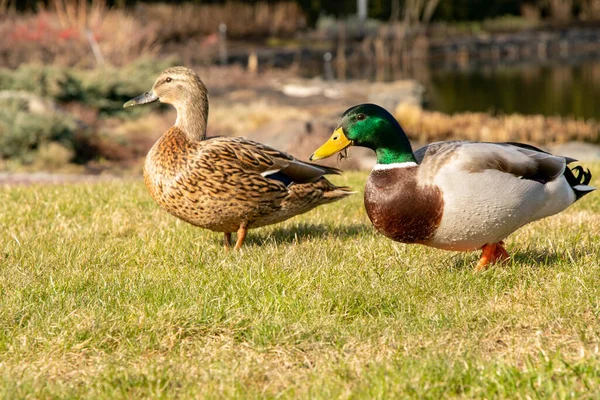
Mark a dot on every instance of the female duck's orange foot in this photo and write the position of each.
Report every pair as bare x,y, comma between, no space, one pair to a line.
492,252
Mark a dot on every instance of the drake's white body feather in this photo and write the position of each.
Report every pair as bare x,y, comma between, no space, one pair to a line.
485,207
484,198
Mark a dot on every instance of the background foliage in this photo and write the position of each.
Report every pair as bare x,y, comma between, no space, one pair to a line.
447,10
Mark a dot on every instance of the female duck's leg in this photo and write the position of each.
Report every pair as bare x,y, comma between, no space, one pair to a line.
227,240
241,235
491,253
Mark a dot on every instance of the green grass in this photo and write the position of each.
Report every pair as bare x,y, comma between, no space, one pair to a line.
104,295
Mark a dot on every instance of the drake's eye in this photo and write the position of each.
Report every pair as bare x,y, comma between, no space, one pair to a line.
360,117
168,80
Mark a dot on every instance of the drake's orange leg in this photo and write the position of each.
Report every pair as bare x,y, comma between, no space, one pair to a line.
487,256
501,253
492,252
228,241
241,236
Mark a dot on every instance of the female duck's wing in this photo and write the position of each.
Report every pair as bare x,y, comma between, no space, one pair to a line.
269,162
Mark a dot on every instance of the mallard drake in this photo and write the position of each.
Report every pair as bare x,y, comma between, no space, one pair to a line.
455,195
224,184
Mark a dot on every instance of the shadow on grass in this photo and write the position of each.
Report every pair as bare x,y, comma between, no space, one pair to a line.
549,257
528,257
538,257
304,232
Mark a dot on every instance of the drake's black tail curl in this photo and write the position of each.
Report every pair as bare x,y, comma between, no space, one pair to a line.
583,176
579,182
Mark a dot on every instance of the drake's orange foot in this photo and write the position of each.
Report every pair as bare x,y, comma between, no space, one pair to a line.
491,253
487,256
501,253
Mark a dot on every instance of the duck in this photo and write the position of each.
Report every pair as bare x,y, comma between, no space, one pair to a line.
224,184
454,195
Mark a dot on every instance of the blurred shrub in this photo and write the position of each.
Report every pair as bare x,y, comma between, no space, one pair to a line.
53,155
33,130
510,23
23,130
105,89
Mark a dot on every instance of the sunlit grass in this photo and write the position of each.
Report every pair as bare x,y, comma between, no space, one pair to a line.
104,295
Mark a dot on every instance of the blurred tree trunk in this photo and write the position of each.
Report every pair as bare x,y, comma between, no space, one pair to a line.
561,10
590,10
419,11
362,7
429,10
395,14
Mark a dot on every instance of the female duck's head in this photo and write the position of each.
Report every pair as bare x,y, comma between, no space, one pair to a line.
182,88
371,126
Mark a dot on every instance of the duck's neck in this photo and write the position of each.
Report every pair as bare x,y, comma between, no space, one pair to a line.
394,148
192,117
388,155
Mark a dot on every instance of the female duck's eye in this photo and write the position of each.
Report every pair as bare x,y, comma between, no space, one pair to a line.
168,80
360,117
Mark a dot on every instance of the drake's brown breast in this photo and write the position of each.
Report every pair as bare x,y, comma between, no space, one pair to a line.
400,208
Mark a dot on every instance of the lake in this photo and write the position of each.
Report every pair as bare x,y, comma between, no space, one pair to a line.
554,87
551,89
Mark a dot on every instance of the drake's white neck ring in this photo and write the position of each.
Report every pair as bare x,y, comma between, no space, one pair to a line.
407,164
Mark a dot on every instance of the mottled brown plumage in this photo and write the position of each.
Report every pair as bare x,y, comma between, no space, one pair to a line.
224,184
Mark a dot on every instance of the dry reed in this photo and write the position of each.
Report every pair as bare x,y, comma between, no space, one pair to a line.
242,20
84,33
429,126
66,32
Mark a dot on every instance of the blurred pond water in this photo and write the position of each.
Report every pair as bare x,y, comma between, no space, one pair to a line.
552,89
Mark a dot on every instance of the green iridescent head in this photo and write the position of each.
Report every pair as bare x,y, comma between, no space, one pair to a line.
371,126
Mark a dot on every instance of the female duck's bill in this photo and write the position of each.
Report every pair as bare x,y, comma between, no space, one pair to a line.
336,143
147,97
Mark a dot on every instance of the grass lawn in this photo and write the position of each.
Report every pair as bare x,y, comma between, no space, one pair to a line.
104,295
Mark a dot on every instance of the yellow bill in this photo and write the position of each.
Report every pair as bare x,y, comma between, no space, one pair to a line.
336,143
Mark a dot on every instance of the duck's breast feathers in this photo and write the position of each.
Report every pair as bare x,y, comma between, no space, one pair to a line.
521,161
400,207
269,162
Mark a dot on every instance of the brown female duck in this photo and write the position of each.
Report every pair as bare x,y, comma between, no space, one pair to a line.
224,184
